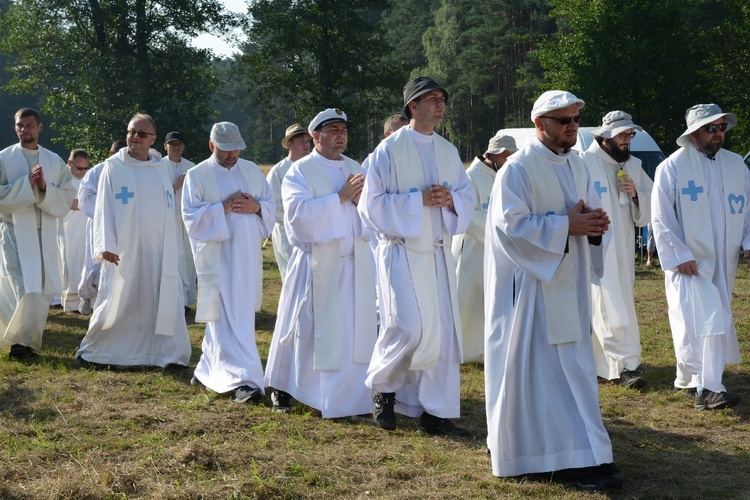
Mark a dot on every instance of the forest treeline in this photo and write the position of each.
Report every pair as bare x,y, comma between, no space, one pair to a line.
91,64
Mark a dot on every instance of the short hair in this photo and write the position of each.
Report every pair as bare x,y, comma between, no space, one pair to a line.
78,153
144,116
117,145
26,112
393,120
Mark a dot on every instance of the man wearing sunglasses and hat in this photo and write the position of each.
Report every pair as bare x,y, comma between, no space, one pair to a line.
468,248
416,196
700,221
624,190
543,240
297,141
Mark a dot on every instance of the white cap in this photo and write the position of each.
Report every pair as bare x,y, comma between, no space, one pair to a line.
330,115
613,123
226,137
554,99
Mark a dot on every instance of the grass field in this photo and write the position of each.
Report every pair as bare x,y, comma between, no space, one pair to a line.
72,433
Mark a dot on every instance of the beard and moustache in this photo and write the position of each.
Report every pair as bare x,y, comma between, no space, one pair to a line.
616,153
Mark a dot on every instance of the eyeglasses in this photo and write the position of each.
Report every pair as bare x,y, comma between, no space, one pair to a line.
566,120
624,135
82,169
713,127
139,133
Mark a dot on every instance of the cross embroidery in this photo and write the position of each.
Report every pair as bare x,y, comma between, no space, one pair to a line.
413,190
692,190
124,195
599,189
449,186
169,199
486,205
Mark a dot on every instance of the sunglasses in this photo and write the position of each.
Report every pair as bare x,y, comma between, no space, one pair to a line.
713,127
625,135
566,120
82,169
139,133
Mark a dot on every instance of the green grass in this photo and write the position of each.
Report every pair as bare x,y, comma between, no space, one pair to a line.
72,433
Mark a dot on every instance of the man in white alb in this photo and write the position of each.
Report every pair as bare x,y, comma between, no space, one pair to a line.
228,209
326,325
138,317
297,141
174,144
35,192
700,221
416,196
624,191
543,239
468,248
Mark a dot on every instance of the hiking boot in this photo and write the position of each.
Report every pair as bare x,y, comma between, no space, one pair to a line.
18,351
631,380
710,400
440,426
281,401
382,409
245,393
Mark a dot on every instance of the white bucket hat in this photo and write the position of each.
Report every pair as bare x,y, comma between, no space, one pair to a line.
554,99
501,143
703,114
613,123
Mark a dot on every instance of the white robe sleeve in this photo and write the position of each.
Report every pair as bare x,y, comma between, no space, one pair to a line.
389,212
14,195
668,232
274,180
534,243
87,192
267,217
463,201
479,220
204,221
308,219
643,186
105,229
59,194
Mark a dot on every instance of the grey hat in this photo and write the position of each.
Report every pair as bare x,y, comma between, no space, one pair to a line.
613,123
173,136
226,137
501,143
703,114
330,115
552,100
415,88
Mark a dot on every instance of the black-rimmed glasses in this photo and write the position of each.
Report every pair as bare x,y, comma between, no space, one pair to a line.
713,127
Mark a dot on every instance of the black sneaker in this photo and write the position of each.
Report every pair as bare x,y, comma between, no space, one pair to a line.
90,365
688,392
631,380
18,351
195,382
245,393
281,401
382,409
440,426
710,400
606,483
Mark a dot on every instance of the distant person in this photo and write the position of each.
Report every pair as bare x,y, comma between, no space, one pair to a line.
650,246
468,248
297,141
543,240
35,192
72,237
416,196
174,144
393,123
700,219
88,287
326,325
138,318
228,209
624,191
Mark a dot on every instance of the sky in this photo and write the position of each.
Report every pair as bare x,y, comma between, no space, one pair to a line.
220,47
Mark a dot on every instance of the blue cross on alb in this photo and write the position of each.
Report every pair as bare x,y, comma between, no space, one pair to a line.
692,190
486,205
599,189
169,199
124,195
413,190
449,186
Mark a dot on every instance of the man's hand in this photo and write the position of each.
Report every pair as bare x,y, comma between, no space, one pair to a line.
352,188
228,202
36,178
438,196
111,257
74,205
179,182
627,185
690,268
583,221
245,204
